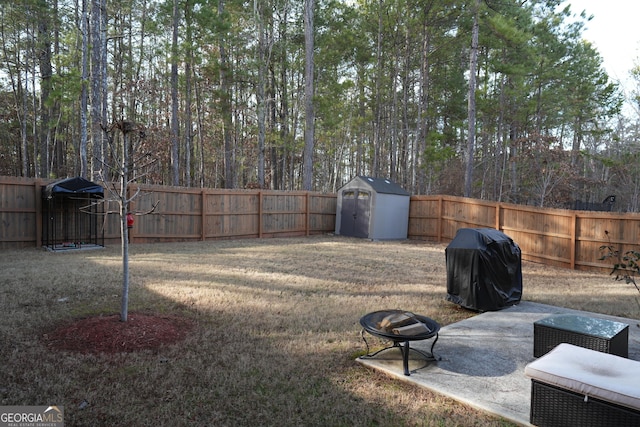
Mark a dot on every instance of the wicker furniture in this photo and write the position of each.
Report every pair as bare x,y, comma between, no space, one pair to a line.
596,334
575,386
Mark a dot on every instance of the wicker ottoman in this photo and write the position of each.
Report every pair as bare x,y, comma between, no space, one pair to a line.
575,386
589,332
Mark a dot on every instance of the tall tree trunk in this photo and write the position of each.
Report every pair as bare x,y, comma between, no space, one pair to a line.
362,131
39,142
46,72
23,126
377,124
501,161
199,113
419,179
97,134
309,128
83,94
260,90
280,164
103,79
225,107
471,137
188,71
272,121
393,121
175,131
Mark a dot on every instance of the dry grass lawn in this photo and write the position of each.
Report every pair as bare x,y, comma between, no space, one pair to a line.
275,337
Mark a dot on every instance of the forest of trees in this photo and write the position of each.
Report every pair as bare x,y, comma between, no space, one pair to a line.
494,99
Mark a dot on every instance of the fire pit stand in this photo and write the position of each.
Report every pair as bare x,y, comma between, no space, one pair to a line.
370,322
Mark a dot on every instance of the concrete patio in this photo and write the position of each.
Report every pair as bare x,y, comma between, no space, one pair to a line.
482,359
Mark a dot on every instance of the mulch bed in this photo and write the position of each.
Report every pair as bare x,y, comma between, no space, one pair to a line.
107,334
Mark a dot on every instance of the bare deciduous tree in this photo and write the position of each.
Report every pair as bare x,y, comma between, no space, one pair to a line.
130,163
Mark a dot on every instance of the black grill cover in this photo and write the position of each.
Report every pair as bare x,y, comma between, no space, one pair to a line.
484,270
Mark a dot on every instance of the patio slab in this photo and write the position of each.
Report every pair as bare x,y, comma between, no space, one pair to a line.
482,359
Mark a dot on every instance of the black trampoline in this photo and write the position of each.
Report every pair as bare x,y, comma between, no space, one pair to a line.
70,218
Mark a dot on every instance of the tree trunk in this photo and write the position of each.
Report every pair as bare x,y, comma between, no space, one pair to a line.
23,122
225,107
84,95
419,179
46,72
260,91
103,78
97,162
280,158
124,231
377,125
471,137
309,129
188,71
175,131
199,126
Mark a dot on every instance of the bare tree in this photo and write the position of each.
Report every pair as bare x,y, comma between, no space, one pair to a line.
129,164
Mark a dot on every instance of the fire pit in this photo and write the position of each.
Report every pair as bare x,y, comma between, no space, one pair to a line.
400,327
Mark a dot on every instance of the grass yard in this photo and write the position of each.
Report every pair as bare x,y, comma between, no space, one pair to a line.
274,331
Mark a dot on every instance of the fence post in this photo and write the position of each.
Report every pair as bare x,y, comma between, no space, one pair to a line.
260,214
440,219
573,242
203,217
38,201
498,222
306,213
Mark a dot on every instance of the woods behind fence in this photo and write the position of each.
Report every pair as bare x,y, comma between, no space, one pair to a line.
563,238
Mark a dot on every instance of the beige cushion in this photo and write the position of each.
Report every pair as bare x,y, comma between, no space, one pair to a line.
590,373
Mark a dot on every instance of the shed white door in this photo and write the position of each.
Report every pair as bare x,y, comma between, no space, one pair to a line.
354,217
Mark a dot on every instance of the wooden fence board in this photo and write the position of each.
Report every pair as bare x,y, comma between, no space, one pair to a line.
424,217
321,213
18,214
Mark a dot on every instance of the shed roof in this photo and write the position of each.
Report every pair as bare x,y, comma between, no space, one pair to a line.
71,186
383,185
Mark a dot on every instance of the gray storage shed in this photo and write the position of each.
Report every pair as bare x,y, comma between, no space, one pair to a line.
374,208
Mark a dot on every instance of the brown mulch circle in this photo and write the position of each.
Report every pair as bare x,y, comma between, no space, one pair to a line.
107,334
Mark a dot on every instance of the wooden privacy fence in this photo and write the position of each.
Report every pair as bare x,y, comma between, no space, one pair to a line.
563,238
205,214
182,214
559,237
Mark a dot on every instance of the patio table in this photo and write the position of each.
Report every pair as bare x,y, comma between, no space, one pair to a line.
602,335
